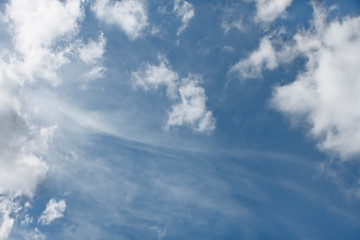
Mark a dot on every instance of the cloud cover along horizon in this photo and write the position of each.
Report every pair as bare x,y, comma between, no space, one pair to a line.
120,119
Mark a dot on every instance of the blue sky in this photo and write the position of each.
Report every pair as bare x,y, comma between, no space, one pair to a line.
135,119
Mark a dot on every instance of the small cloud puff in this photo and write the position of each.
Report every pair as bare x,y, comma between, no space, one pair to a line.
192,109
269,10
93,51
54,210
185,11
129,15
152,76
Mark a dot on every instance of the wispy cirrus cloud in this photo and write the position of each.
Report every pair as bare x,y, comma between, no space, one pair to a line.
185,11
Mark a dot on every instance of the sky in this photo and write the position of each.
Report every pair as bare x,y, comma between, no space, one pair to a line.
196,119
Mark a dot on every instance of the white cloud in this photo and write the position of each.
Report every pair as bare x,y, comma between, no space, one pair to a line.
264,56
42,32
129,15
192,109
54,210
95,72
38,23
161,232
270,54
228,25
228,49
93,51
92,54
6,222
152,76
35,27
21,142
326,95
185,11
269,10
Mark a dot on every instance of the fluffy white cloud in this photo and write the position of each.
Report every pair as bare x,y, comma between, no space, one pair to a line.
269,10
42,32
129,15
21,146
185,12
35,27
54,210
38,23
264,56
92,55
152,76
192,109
92,51
326,95
6,222
267,56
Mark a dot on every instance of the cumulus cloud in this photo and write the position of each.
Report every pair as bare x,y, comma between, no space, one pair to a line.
129,15
54,210
6,222
263,57
92,51
326,95
95,72
35,27
185,12
152,76
42,35
192,109
267,56
269,10
92,55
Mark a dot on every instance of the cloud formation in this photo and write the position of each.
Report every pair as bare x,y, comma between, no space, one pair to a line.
35,27
129,15
54,210
269,10
92,51
263,57
6,221
42,39
152,76
325,95
192,110
185,12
